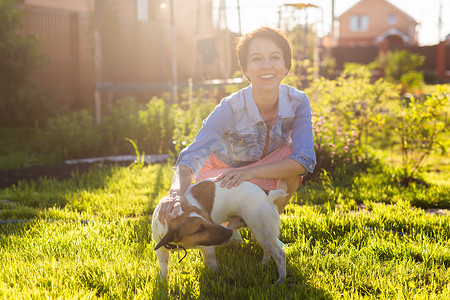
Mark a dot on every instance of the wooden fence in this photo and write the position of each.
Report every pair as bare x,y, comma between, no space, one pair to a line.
67,50
437,57
133,52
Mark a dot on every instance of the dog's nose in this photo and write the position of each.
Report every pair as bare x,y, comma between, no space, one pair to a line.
228,234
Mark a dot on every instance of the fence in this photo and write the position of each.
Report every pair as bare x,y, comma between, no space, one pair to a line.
437,57
133,52
64,43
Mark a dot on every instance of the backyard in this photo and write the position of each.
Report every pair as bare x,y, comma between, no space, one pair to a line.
371,222
89,236
365,225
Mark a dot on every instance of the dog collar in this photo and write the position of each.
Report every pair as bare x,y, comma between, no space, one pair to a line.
173,247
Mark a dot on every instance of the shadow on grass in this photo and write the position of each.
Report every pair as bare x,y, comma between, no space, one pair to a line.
105,192
241,276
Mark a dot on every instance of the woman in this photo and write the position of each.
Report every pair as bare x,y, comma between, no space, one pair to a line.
262,133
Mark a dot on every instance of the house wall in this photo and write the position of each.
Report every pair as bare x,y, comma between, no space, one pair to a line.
72,5
378,12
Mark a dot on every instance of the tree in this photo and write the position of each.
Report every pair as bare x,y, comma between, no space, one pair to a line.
19,57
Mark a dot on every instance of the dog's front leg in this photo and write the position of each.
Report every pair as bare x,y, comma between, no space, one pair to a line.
163,259
209,256
266,258
280,258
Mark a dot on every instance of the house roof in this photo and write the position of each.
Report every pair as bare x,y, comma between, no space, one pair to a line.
385,1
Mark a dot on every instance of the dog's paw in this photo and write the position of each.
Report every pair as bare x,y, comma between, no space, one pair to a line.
280,280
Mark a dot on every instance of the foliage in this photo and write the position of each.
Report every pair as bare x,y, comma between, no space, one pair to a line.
70,136
419,126
140,157
19,57
338,151
188,123
156,125
350,108
329,67
156,128
400,66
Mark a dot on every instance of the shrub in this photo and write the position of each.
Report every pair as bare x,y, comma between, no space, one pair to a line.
400,66
71,136
353,102
156,128
188,123
419,127
338,151
122,122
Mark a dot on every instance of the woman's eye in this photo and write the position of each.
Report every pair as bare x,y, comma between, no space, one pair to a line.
276,58
255,59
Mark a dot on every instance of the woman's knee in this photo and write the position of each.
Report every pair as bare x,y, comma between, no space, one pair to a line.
292,184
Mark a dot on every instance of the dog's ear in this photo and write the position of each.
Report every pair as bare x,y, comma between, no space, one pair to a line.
169,237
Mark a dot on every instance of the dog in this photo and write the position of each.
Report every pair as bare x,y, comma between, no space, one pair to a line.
197,225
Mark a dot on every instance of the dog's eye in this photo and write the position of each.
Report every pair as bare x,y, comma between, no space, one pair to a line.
200,229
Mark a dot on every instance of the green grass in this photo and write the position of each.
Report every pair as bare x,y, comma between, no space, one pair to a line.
389,250
16,149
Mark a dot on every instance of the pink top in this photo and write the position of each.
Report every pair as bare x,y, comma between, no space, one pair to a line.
214,167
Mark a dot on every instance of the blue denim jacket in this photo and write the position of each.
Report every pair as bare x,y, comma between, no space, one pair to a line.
236,133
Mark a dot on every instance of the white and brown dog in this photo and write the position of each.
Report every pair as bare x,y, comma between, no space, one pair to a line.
197,225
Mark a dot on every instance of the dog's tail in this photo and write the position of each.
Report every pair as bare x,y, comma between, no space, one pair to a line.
275,194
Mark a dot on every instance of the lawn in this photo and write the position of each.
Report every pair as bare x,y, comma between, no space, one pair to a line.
90,237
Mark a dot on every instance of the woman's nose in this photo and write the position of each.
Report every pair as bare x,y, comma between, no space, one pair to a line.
267,62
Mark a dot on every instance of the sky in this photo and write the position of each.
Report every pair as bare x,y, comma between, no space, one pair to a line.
257,13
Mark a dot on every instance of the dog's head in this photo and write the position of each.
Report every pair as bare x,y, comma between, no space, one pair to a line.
192,227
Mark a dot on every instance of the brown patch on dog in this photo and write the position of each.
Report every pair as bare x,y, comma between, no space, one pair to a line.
204,193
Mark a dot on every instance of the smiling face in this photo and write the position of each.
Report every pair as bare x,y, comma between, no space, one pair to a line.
266,66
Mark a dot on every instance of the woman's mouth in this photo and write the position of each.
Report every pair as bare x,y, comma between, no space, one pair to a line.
266,76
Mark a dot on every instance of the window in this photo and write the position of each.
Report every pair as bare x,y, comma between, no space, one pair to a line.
142,10
359,23
392,19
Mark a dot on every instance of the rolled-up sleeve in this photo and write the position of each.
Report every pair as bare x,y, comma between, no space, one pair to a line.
209,139
302,135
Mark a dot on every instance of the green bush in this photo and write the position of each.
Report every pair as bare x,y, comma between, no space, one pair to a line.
338,151
400,66
353,102
156,127
71,136
122,122
420,127
348,113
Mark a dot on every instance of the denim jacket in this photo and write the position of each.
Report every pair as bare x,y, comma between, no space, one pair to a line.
236,133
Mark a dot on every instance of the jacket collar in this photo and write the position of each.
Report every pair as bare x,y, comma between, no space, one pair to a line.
284,105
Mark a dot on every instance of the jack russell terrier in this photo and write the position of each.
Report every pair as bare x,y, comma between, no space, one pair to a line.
197,225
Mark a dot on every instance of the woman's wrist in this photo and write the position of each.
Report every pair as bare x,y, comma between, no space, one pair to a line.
174,193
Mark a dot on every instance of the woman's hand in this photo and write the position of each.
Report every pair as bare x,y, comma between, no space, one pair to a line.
234,178
171,207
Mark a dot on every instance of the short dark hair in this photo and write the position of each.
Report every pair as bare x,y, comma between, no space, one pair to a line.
274,35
